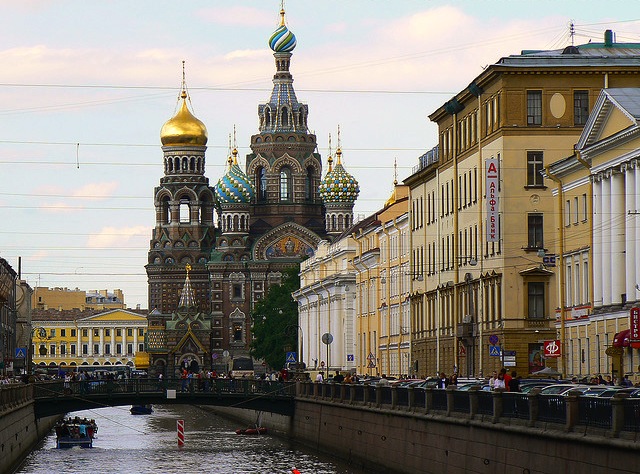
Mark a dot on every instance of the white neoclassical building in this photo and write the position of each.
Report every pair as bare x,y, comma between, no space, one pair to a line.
326,307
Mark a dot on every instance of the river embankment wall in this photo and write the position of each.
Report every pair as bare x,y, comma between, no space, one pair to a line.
20,430
393,441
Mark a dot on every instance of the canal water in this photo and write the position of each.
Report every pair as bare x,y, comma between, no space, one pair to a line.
148,444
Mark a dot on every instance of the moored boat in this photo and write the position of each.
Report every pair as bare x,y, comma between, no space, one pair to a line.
141,409
252,431
76,431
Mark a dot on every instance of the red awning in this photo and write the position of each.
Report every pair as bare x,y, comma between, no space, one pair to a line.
621,339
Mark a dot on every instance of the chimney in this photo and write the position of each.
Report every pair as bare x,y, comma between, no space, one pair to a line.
608,38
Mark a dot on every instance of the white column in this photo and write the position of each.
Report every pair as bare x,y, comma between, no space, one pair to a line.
135,340
102,341
618,217
113,341
79,343
630,177
90,348
597,241
605,256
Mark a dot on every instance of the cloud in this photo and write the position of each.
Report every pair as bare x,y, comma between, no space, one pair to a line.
57,207
111,236
39,255
95,190
237,16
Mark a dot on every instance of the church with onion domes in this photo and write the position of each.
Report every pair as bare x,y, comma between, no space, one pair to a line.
216,250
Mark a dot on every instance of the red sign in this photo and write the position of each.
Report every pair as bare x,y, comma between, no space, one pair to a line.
634,324
552,349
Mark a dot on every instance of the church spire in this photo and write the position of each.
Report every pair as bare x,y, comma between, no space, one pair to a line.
187,298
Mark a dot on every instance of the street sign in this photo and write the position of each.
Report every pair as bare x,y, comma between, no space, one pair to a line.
327,338
634,333
292,357
371,364
462,351
494,351
21,353
552,349
493,339
509,358
350,358
371,356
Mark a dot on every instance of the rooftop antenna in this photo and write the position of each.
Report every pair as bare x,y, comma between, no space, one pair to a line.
572,31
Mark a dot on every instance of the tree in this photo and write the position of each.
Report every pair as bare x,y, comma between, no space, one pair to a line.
275,322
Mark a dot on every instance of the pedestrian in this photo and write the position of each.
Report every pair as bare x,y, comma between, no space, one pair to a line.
499,383
506,377
338,378
443,381
492,380
320,377
384,381
454,380
514,383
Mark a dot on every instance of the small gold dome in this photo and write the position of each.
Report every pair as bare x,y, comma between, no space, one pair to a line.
183,128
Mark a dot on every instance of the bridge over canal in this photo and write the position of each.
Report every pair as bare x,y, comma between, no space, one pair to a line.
58,397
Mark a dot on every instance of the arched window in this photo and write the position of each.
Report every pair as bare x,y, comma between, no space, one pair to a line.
170,165
177,164
309,188
267,117
261,184
185,216
285,117
285,184
193,164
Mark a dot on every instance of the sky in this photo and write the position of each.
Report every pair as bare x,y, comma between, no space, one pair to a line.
85,87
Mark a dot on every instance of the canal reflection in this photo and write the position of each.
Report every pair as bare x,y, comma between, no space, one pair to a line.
148,444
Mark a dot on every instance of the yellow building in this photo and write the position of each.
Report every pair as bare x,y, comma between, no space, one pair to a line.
66,299
76,338
383,339
598,198
483,218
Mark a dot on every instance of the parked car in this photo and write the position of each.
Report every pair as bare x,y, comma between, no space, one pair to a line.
563,389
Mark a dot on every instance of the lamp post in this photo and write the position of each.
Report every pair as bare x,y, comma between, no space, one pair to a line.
300,344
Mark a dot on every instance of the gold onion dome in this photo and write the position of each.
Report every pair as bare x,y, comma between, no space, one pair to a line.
235,186
183,128
338,186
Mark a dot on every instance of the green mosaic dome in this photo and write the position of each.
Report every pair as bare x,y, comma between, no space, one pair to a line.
339,186
234,187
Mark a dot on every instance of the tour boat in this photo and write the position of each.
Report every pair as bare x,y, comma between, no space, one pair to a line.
76,431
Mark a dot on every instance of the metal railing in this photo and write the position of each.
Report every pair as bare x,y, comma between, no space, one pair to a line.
564,412
143,385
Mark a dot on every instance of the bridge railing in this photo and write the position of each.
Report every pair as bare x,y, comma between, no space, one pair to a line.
144,385
12,395
614,415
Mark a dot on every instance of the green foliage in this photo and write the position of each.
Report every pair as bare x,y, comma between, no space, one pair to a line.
275,322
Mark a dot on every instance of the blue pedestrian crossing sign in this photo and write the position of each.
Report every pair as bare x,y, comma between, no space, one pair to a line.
292,357
350,358
494,351
21,353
